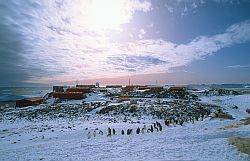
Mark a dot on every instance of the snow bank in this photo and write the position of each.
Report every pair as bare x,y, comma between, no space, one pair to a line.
66,139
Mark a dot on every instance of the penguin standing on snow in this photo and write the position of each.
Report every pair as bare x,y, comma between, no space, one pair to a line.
143,129
181,122
138,130
89,135
128,131
160,127
100,132
151,128
109,132
94,133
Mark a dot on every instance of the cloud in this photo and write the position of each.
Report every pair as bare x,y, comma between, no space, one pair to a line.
141,34
56,41
11,48
142,31
238,66
186,7
151,25
48,40
177,55
133,63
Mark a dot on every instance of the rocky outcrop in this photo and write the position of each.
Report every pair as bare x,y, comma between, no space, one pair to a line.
242,144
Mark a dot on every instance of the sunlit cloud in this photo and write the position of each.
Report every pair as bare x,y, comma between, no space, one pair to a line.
70,40
186,7
141,34
238,66
154,56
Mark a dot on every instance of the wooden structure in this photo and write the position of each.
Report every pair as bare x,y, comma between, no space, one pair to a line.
134,87
155,89
58,89
113,86
29,101
178,90
86,86
123,99
152,89
79,89
128,88
68,95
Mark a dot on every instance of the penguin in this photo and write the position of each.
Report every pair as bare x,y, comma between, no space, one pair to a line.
166,121
94,133
109,132
160,127
122,132
202,117
138,130
113,131
152,129
128,131
158,124
142,130
181,122
100,132
89,135
131,131
197,118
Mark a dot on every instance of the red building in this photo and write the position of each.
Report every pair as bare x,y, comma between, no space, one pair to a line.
113,86
29,102
86,85
79,89
68,95
178,90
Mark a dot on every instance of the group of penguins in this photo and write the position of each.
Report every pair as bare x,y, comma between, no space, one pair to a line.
155,126
198,115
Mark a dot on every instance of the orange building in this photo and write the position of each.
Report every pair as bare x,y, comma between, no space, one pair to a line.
68,95
29,102
80,89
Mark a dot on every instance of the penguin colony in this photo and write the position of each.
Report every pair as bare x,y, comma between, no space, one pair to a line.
156,126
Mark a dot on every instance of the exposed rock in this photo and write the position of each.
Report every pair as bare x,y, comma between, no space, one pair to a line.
229,127
222,115
242,144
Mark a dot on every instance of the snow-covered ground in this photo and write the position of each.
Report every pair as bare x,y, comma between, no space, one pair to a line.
65,139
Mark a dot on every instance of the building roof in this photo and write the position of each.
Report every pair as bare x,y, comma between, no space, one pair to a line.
33,99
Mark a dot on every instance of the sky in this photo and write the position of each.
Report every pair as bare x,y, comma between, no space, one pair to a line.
112,41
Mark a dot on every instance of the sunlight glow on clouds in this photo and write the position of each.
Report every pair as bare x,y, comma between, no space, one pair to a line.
110,14
139,57
69,40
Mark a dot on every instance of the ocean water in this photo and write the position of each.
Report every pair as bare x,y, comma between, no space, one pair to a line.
11,94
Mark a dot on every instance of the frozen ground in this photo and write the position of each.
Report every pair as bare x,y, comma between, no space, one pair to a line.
67,139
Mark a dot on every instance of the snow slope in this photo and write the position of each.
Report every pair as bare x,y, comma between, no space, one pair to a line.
67,139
